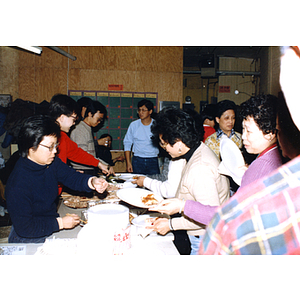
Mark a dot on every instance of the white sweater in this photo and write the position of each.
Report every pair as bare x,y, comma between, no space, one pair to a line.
168,188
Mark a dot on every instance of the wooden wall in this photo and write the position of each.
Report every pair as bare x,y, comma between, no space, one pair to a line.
270,69
139,69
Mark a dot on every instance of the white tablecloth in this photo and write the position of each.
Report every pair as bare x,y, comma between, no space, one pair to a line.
153,243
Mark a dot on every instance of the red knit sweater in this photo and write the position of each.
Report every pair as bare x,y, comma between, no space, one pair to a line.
69,150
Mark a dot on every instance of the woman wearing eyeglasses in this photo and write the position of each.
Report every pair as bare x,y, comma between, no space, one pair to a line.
32,187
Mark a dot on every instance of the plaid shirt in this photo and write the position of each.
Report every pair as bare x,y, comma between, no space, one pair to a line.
262,218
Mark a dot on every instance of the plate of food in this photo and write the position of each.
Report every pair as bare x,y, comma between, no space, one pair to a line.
139,197
83,202
78,201
127,176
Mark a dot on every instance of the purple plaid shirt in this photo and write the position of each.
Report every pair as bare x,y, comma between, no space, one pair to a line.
261,218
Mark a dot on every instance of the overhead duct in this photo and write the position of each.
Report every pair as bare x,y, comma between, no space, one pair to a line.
57,49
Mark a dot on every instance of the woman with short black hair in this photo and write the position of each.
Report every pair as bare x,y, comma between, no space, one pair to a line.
32,187
178,133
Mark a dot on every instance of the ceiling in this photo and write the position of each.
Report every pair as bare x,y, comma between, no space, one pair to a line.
192,56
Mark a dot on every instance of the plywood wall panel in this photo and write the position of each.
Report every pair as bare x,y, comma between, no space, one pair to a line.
148,81
169,59
27,83
146,59
138,69
26,59
74,79
9,71
89,79
82,55
126,58
52,59
50,82
170,87
127,78
97,58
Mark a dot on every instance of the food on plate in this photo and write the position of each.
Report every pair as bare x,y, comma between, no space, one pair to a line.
77,201
135,177
131,217
82,202
149,200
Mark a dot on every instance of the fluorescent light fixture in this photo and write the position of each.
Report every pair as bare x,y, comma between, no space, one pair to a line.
35,49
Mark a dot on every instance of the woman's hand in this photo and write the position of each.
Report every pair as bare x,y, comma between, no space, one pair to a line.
70,221
161,226
103,142
139,181
169,206
98,184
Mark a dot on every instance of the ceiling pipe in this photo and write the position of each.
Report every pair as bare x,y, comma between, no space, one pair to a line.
57,49
227,73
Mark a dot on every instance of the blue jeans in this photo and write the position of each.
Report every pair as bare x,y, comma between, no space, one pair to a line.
145,165
15,238
195,243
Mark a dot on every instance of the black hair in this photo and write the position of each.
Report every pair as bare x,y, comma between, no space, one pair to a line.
83,102
263,110
197,118
95,106
104,135
33,130
223,106
175,125
209,112
147,103
61,104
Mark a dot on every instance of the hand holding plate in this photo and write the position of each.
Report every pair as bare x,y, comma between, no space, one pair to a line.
169,206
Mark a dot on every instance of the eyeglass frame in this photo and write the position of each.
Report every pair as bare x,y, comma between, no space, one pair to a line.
50,148
163,145
142,110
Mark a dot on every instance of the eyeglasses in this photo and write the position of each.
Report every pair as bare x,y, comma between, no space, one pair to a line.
50,148
142,110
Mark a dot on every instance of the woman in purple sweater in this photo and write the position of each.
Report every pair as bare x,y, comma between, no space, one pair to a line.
259,137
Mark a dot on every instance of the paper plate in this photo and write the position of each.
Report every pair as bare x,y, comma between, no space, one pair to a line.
134,196
127,176
232,160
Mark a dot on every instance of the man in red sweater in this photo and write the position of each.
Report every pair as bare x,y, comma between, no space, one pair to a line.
65,110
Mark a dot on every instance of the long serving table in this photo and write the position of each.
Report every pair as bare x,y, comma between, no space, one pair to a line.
154,243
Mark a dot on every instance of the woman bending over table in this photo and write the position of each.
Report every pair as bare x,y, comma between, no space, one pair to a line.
200,181
32,187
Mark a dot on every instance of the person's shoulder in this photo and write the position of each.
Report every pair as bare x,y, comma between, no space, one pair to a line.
63,136
135,123
80,127
211,137
238,135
